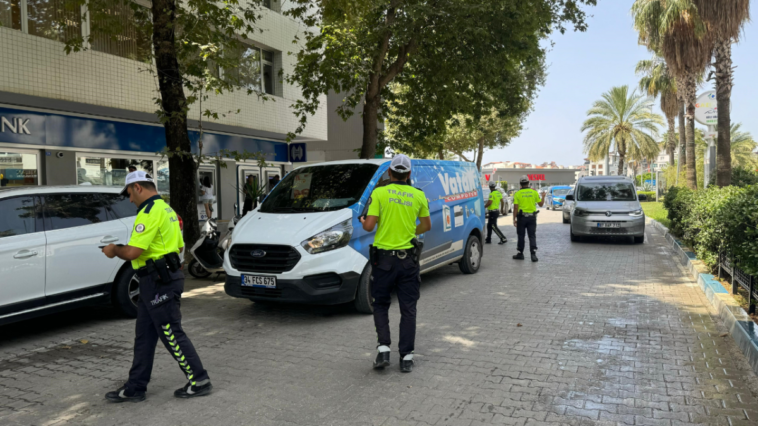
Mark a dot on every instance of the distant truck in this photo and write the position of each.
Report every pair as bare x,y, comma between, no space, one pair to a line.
305,244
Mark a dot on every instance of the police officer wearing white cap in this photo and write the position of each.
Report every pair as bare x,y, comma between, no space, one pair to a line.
153,249
525,202
394,258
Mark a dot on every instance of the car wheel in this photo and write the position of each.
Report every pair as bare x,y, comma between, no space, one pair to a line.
472,256
566,218
362,300
639,240
574,238
197,270
126,292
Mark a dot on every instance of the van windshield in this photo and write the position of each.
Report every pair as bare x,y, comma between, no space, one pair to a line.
320,188
605,191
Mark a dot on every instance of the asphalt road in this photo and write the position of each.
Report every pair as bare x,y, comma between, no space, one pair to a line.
602,332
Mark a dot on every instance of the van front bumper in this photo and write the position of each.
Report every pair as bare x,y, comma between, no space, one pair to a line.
321,289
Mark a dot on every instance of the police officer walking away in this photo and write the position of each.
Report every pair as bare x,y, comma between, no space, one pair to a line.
493,212
153,249
525,202
395,258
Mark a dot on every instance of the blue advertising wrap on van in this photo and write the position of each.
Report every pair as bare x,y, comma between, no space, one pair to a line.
456,208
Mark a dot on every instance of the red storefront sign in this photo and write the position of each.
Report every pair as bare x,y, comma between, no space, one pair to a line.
536,177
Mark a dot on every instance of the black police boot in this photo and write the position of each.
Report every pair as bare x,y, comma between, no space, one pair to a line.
534,257
487,241
198,389
503,241
519,256
382,358
406,364
123,394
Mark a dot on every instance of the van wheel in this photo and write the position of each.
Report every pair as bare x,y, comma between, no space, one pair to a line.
566,219
126,292
574,238
472,256
639,240
362,300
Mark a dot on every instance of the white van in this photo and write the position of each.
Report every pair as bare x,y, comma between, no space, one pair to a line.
304,243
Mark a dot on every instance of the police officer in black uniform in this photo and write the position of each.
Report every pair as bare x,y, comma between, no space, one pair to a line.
525,202
153,249
394,258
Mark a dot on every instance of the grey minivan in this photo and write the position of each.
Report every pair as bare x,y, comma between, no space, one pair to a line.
607,206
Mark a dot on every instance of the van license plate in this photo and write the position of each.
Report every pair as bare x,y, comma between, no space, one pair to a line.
258,281
609,225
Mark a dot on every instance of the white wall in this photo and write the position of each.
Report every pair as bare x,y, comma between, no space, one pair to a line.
37,66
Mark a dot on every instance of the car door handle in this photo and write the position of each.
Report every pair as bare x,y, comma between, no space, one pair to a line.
23,254
108,239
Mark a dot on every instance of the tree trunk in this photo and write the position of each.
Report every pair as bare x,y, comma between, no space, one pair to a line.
622,157
370,127
690,89
671,145
682,143
174,103
723,58
441,154
479,156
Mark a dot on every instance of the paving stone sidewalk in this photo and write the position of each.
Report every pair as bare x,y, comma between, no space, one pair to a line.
596,333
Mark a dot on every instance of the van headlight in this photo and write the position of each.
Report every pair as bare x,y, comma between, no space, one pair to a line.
333,238
581,212
636,213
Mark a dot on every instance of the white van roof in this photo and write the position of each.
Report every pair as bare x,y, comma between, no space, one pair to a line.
377,161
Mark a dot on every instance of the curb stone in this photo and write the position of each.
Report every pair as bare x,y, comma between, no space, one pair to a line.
741,328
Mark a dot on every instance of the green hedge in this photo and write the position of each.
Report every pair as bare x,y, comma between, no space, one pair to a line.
650,195
717,219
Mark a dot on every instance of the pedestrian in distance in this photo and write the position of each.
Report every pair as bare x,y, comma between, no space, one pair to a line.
153,250
206,195
493,212
525,202
395,256
250,190
132,169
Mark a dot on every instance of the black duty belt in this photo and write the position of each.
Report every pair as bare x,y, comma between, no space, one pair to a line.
400,254
527,214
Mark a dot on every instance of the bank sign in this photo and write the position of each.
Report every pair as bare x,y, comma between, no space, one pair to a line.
57,130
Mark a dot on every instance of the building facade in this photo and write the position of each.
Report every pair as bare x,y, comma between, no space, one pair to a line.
85,117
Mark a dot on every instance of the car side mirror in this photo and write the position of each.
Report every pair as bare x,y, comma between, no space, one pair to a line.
642,197
569,197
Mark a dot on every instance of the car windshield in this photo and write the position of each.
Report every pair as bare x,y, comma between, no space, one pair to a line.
605,191
563,191
320,188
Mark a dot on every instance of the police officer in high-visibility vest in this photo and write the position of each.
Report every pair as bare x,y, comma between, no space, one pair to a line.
525,202
493,212
153,249
394,258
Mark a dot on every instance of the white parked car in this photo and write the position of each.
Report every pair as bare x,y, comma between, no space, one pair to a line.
50,255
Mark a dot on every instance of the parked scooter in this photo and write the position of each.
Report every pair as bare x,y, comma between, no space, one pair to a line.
210,249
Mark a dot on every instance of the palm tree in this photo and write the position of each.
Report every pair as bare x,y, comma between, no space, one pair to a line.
742,147
674,28
725,19
619,121
658,81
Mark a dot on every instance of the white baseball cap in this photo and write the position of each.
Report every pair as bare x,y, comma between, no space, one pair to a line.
524,179
401,164
134,177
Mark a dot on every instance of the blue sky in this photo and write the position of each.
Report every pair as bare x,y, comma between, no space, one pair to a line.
581,66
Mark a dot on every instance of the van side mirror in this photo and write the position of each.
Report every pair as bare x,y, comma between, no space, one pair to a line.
569,197
642,197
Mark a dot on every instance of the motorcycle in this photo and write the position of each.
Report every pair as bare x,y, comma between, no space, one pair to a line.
208,253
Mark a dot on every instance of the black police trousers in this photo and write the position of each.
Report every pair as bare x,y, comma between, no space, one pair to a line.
492,216
528,225
401,275
158,317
